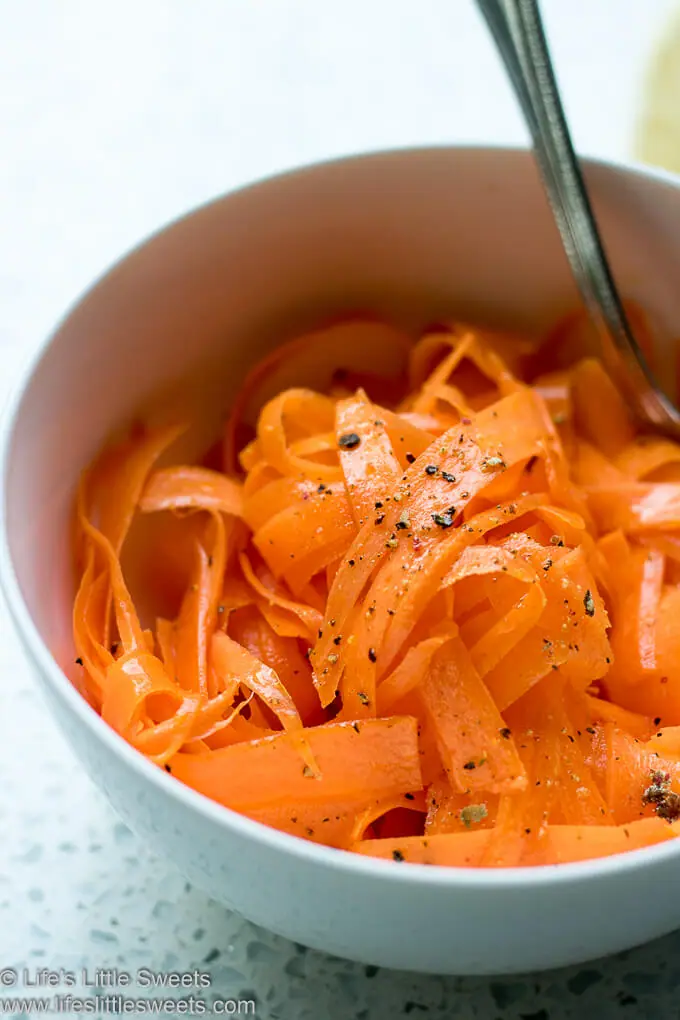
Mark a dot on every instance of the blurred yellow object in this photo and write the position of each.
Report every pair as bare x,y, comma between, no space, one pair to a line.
657,139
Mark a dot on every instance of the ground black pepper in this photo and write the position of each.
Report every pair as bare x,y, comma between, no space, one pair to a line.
349,441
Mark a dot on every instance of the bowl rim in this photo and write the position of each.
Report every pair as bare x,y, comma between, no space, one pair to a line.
304,851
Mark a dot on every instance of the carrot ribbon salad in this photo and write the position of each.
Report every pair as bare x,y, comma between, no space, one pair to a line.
426,609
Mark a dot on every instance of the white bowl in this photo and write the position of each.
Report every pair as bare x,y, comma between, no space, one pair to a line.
413,234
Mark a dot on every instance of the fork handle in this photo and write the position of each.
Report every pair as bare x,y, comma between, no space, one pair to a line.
517,29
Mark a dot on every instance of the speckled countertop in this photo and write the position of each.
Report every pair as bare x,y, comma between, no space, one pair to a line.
112,120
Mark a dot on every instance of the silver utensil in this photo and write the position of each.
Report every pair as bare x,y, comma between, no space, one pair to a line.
517,29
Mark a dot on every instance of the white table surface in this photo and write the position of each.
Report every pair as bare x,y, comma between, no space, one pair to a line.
114,118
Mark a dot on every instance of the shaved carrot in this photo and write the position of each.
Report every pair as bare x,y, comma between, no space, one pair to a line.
427,612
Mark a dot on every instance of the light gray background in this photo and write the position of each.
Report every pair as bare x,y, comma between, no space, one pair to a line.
115,117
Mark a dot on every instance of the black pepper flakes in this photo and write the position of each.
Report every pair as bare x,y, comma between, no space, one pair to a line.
588,603
410,458
363,698
380,519
397,855
337,640
506,733
349,441
409,796
79,661
469,766
372,657
431,469
448,477
167,768
443,520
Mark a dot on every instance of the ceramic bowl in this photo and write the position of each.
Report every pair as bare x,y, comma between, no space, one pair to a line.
416,236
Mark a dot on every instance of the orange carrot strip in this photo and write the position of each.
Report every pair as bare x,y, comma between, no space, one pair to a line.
369,466
115,483
198,615
307,407
601,413
236,661
195,488
455,850
310,617
381,758
569,843
470,730
409,673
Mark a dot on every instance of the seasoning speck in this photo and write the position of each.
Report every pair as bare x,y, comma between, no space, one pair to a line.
472,813
493,464
410,458
363,698
448,477
443,520
556,540
403,521
372,655
431,469
79,661
506,732
167,768
469,765
332,658
349,441
392,542
397,855
588,603
380,519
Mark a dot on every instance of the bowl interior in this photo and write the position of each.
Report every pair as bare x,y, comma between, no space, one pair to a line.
415,236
